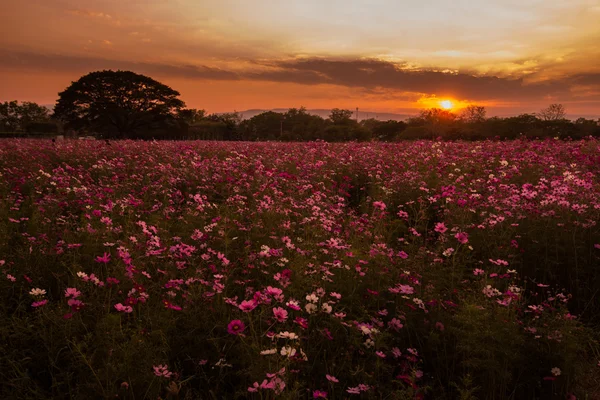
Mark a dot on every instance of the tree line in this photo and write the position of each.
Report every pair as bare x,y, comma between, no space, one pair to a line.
123,104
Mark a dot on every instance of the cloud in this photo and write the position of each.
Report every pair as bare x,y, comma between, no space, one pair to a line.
82,65
368,76
90,14
372,74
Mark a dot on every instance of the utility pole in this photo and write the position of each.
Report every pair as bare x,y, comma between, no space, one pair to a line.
357,114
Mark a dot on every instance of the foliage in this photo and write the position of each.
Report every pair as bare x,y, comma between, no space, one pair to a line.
296,124
119,104
15,117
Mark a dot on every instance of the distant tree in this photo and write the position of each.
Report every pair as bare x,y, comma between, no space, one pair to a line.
383,130
553,112
340,116
370,123
226,123
299,125
264,126
15,117
191,116
9,116
437,115
360,134
473,114
587,127
118,103
437,121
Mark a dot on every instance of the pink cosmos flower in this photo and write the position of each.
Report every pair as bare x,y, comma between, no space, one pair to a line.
319,394
112,281
39,303
72,292
302,322
395,324
162,371
440,227
462,237
76,305
236,327
273,291
104,259
293,305
125,309
379,205
280,314
332,378
247,305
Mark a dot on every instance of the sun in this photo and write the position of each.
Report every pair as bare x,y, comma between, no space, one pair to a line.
446,104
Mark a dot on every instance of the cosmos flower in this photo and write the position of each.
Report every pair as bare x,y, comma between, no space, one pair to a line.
236,327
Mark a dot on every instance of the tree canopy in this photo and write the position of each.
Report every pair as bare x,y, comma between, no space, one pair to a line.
118,104
15,117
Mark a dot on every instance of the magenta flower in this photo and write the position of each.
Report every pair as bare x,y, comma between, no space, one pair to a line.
236,327
76,305
72,292
104,259
39,303
280,314
247,305
319,394
162,371
125,309
462,237
440,227
380,205
302,322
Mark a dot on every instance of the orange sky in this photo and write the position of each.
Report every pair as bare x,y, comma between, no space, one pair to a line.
512,56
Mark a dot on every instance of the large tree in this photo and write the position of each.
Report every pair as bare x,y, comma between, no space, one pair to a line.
118,104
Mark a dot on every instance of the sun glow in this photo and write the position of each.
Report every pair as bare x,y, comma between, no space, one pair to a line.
446,104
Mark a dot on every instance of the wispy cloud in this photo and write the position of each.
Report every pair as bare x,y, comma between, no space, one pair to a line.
89,14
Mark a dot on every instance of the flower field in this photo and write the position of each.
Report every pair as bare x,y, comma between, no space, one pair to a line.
233,270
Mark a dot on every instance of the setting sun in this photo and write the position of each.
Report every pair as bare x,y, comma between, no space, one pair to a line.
446,104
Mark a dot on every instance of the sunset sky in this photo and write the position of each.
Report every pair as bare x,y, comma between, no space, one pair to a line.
512,56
